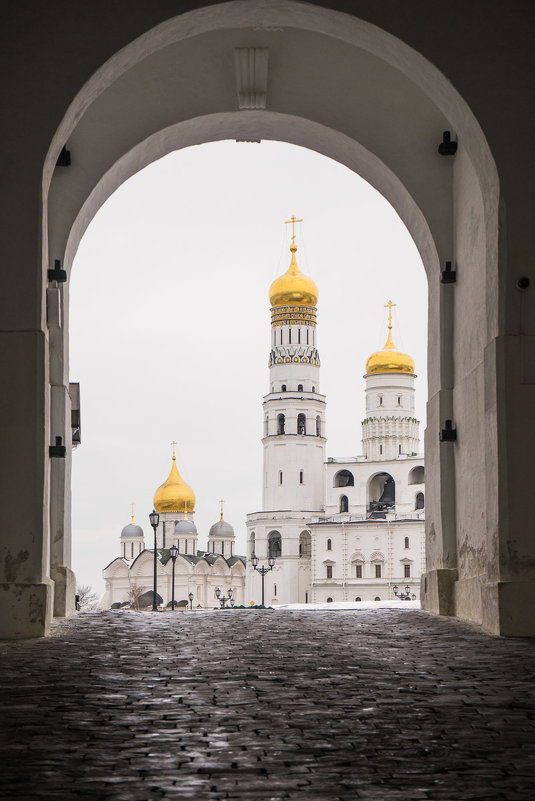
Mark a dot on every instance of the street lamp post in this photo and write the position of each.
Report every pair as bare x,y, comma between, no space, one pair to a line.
262,570
173,553
224,598
404,596
190,596
154,518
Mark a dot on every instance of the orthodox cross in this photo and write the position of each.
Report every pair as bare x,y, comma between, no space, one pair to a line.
221,502
293,221
390,304
173,444
132,512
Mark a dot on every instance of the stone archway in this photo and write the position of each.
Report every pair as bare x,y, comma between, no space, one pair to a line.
358,94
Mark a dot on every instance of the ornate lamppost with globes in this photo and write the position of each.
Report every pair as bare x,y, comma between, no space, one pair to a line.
173,553
404,596
262,570
154,518
224,598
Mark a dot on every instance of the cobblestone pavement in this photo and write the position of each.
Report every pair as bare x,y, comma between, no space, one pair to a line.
389,705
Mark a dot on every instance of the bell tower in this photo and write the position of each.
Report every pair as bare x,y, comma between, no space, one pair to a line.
293,440
390,428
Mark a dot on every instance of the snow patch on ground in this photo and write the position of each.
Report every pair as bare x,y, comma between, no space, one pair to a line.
337,606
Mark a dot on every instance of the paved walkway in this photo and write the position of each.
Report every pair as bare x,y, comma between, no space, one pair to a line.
388,705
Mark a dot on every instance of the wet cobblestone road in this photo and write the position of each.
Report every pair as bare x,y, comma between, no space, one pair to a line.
389,705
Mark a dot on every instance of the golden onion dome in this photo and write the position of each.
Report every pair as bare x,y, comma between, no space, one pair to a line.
389,359
293,288
174,495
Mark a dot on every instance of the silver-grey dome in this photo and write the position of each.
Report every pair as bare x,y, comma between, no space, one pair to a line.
185,527
132,530
221,529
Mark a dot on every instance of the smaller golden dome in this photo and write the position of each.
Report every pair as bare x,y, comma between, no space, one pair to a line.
293,288
174,495
389,359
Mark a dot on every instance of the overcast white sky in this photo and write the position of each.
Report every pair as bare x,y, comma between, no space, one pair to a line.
170,326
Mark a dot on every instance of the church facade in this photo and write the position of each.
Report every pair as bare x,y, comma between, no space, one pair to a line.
199,572
337,529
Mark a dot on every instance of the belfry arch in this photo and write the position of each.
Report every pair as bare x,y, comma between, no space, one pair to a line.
176,85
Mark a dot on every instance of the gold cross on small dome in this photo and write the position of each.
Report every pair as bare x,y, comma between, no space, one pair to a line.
293,221
390,305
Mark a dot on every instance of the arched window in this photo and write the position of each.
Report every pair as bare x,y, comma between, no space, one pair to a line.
283,388
280,476
318,426
329,545
305,544
344,478
420,500
381,493
280,423
301,424
416,476
376,598
274,544
329,600
358,598
301,476
329,569
406,542
313,389
299,387
344,503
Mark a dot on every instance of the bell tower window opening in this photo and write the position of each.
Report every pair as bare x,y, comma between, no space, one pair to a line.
406,542
301,424
283,387
329,545
305,544
399,400
280,477
280,424
274,544
299,387
344,478
301,476
344,504
380,400
420,500
318,426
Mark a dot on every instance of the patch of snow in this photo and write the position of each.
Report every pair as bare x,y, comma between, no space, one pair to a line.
345,605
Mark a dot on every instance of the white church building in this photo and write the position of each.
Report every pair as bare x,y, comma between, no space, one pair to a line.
338,529
199,572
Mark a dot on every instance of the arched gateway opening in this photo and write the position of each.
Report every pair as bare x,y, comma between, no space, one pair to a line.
302,74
